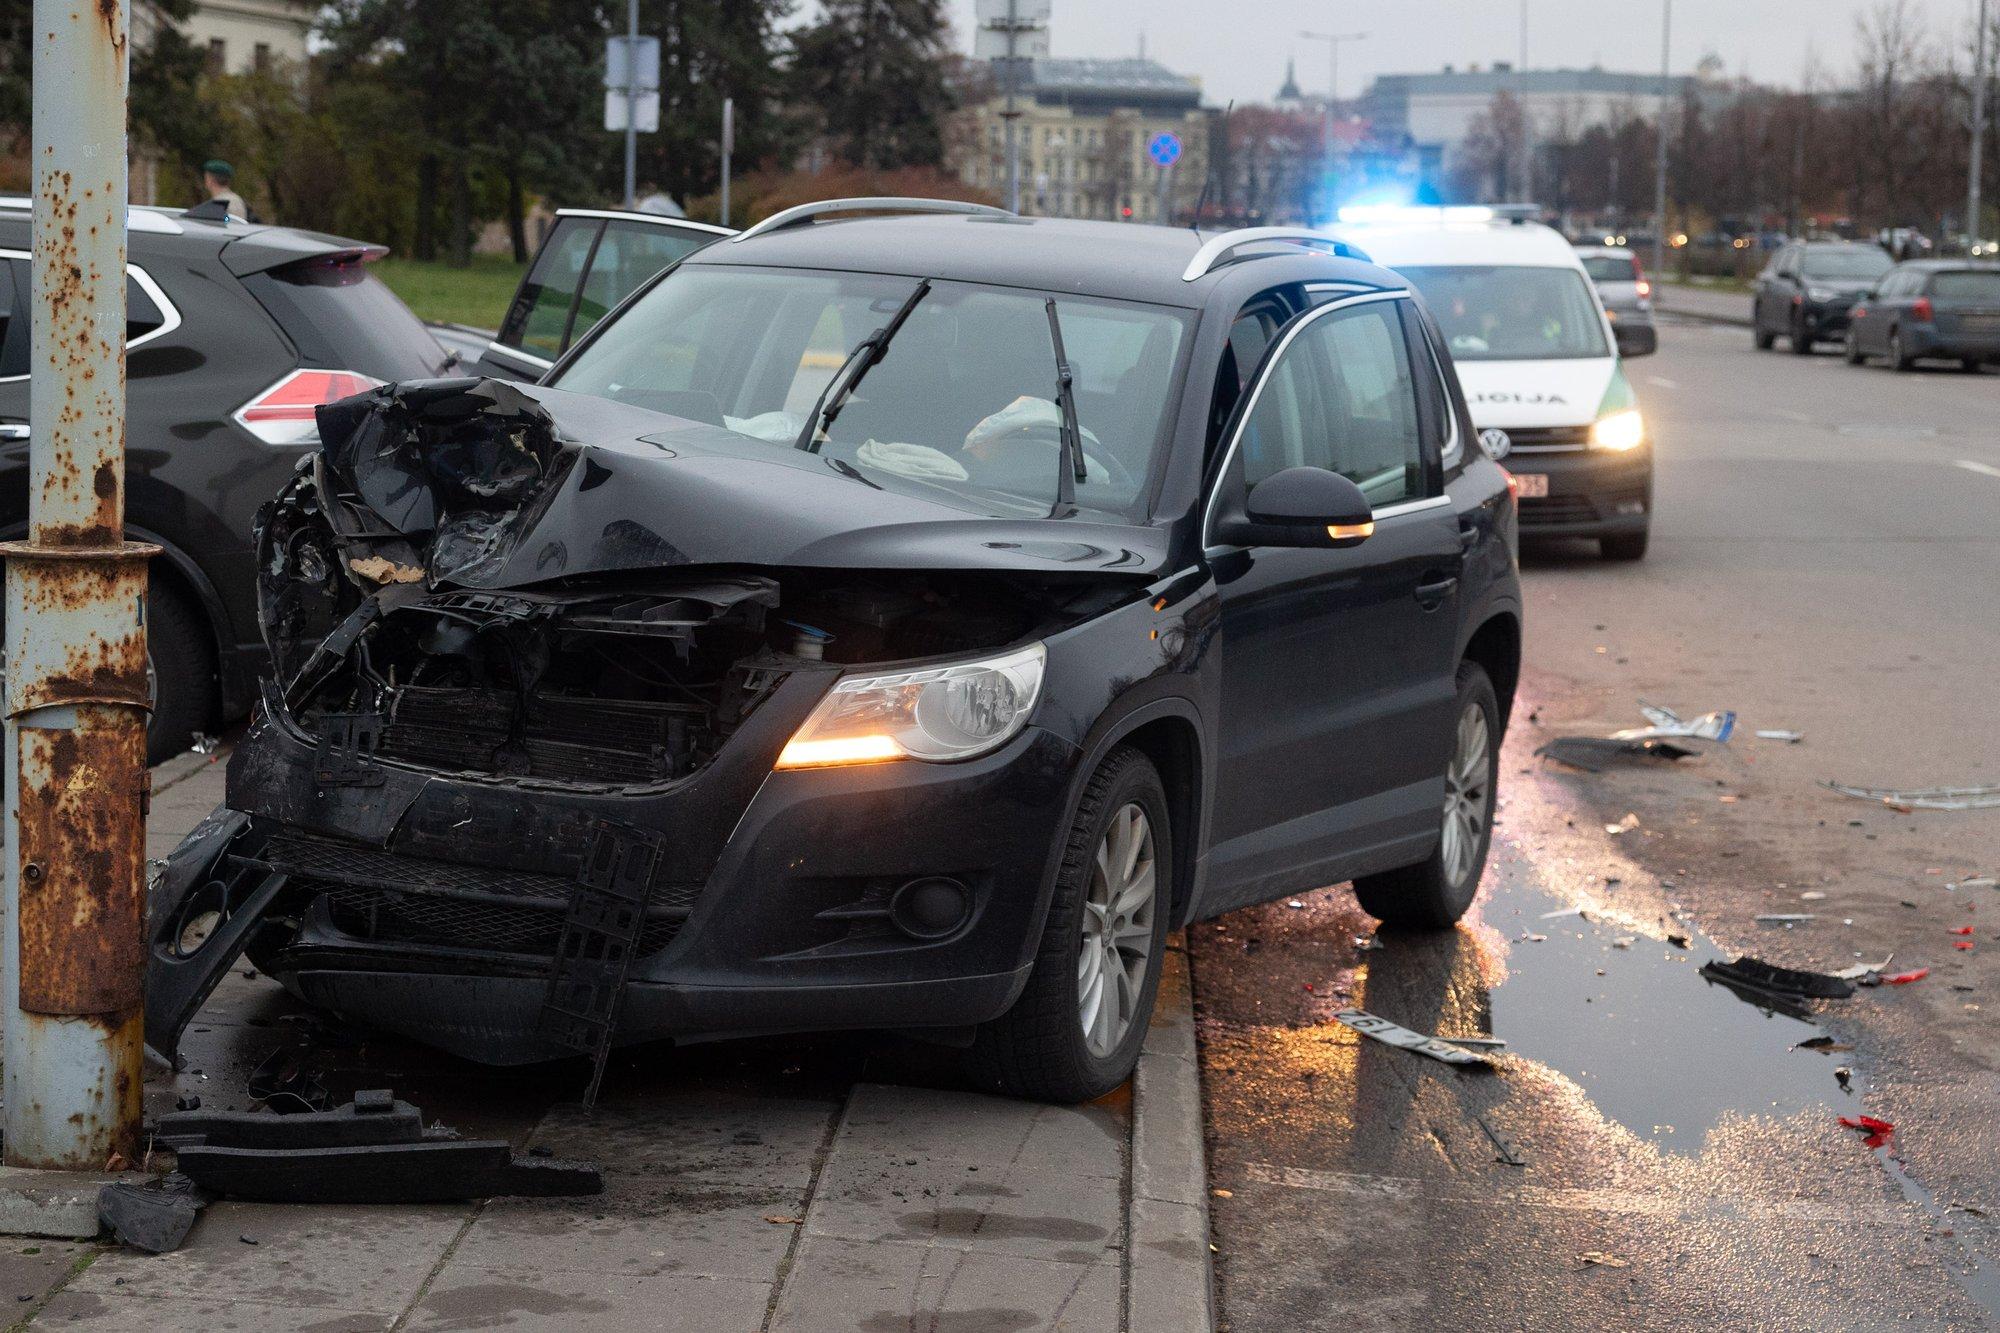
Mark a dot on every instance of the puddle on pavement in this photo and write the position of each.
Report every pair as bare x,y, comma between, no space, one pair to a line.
1655,1045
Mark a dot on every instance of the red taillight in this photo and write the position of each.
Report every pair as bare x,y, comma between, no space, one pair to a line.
283,413
1920,310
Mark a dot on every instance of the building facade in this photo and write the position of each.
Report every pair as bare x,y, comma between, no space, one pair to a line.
246,36
1084,127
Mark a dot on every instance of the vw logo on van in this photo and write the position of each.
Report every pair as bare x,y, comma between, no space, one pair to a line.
1495,442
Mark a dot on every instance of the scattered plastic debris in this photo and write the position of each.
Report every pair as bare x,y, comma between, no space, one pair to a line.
154,1215
1667,724
1905,978
1560,911
1822,1044
1393,1034
1812,896
1599,1259
1754,974
203,743
1857,971
1844,1077
1878,1131
1591,753
1631,821
1624,941
1678,941
1976,882
1481,1042
1924,798
1296,905
1777,734
1961,944
1367,943
1784,918
780,1220
1960,930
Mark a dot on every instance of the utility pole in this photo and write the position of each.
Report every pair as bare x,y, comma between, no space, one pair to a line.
728,147
72,937
1527,121
1978,134
1660,153
631,103
1333,41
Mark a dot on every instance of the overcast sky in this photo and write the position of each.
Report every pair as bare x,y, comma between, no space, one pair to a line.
1238,47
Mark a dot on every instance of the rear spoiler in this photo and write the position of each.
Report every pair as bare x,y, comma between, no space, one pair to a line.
281,247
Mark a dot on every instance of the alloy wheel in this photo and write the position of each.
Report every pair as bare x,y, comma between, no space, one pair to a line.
1117,945
1467,784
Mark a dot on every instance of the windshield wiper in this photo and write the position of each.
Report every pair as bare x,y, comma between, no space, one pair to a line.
1069,456
859,362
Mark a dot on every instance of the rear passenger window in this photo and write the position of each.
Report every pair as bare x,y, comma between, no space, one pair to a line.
13,318
142,314
540,317
1342,397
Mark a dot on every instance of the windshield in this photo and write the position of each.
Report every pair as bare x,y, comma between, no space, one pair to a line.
962,405
1863,261
1512,313
1967,285
1611,268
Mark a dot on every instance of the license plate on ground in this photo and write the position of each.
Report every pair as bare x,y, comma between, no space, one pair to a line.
1534,485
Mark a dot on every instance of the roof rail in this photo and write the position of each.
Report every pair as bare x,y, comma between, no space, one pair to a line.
1217,250
138,217
803,213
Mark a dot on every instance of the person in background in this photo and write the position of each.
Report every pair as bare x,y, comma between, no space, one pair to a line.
218,177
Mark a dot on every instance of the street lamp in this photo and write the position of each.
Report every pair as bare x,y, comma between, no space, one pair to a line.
1333,41
1660,156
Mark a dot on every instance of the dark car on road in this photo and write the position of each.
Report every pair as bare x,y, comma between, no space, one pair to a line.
893,622
1932,309
234,334
590,260
1804,293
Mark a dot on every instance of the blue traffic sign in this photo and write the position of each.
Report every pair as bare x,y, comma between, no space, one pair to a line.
1164,148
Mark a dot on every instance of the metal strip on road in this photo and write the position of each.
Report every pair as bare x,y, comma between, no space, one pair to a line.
1983,469
1625,1202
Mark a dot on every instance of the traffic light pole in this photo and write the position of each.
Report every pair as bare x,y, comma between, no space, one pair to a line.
72,948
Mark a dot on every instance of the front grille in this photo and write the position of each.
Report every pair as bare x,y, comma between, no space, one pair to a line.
1548,439
387,897
565,738
1555,510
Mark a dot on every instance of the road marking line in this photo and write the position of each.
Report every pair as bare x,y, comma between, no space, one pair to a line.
1627,1202
1983,469
1789,415
1663,382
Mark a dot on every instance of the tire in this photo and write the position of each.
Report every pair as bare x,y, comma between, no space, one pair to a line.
1625,546
1854,356
1435,893
1801,344
182,657
1970,365
1762,339
1899,359
1039,1048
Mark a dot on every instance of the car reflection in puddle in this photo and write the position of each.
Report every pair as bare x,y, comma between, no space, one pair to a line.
1655,1045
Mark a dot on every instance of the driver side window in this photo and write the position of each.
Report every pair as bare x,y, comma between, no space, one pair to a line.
1341,396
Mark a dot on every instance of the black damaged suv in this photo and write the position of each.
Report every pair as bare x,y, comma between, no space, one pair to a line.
890,622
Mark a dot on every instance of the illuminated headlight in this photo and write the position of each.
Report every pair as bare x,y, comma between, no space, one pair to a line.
942,713
1619,431
1819,294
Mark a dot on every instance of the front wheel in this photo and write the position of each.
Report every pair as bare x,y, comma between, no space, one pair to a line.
1435,893
1802,342
1854,357
1763,339
1899,356
1075,1033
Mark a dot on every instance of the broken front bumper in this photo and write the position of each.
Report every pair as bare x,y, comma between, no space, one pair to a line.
902,895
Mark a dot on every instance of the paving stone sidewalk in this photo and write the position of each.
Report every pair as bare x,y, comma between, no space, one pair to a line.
808,1184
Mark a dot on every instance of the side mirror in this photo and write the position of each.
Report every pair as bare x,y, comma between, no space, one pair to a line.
1636,339
1301,506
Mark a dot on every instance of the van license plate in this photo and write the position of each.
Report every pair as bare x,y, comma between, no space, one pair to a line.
1534,485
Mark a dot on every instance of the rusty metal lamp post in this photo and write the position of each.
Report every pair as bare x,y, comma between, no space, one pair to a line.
72,938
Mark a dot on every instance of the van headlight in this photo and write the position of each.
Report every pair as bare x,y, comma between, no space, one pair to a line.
1619,431
936,714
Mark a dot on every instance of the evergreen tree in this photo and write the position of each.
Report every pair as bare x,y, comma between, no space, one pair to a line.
874,74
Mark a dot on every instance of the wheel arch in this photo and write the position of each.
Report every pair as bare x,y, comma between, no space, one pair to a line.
1169,733
1495,647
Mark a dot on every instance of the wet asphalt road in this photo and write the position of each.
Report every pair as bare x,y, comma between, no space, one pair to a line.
1826,557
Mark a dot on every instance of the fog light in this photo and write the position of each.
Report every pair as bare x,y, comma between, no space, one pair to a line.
930,909
1627,508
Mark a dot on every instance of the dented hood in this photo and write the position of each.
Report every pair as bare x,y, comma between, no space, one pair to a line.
490,484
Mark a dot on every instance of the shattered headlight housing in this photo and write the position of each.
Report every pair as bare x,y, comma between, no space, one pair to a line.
936,714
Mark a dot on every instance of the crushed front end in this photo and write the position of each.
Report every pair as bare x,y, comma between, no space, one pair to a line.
505,817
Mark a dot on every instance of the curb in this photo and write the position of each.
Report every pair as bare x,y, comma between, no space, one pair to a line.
59,1204
1700,316
1169,1285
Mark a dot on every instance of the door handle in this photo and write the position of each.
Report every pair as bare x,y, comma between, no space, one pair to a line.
1430,596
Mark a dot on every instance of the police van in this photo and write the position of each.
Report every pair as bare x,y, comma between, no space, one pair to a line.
1538,360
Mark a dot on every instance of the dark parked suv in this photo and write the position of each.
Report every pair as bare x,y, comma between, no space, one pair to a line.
234,334
897,622
1806,290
